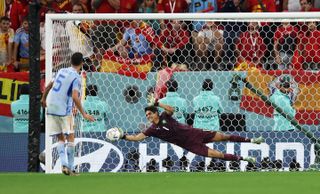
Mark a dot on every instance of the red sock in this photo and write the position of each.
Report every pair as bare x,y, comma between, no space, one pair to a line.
231,157
236,138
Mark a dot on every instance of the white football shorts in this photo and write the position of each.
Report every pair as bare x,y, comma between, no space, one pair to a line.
57,124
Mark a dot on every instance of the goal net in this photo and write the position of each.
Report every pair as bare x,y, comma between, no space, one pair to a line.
127,57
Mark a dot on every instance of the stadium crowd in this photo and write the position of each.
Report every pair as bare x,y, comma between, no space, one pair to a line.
198,45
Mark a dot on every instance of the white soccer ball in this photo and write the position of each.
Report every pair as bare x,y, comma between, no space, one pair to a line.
114,134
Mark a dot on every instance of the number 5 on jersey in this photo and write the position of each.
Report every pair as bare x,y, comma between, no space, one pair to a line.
58,83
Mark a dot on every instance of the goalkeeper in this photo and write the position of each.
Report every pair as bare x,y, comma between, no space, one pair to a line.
192,139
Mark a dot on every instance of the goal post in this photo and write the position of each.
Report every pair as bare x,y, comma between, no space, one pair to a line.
264,48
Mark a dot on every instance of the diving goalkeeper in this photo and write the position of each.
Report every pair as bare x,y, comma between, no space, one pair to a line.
192,139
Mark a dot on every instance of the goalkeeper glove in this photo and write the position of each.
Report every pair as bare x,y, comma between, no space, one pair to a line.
152,101
122,134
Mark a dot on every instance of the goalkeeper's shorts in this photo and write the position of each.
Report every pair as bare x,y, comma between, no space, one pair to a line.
197,144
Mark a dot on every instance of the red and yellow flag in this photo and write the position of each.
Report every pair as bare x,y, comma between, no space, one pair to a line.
9,87
137,67
307,103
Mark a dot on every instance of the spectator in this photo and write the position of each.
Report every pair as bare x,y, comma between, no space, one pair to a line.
48,5
78,34
171,6
55,6
62,5
105,6
307,54
207,108
250,47
114,6
281,98
150,6
232,6
138,37
291,5
267,29
220,4
6,41
105,33
87,5
16,12
21,47
20,111
96,107
199,6
208,46
307,5
174,100
285,40
231,32
259,5
173,41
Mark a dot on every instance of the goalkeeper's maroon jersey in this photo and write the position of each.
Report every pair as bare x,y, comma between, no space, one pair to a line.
170,130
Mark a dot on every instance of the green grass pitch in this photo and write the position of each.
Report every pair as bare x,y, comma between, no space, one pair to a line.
162,183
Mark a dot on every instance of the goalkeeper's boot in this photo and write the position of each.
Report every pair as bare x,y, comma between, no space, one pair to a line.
66,170
257,140
250,159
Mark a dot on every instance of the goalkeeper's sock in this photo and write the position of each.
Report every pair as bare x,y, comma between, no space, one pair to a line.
62,153
236,138
231,157
70,153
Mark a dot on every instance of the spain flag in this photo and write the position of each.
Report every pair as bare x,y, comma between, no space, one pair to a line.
137,67
9,88
307,98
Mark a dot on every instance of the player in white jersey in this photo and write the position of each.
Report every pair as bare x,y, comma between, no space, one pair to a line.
63,93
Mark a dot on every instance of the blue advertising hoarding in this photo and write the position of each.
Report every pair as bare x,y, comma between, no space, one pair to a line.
99,155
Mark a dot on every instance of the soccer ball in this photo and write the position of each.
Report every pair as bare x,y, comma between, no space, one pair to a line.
114,134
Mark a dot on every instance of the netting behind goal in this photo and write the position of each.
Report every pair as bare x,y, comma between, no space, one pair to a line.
129,56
